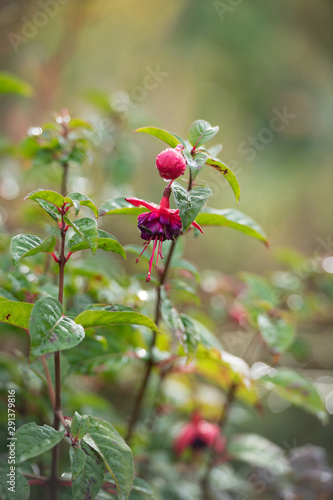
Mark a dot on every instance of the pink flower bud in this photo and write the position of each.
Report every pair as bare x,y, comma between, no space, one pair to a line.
170,163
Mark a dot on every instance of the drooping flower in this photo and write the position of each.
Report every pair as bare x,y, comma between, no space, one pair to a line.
171,163
159,224
199,434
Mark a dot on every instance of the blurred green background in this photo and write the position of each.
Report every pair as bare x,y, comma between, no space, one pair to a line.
236,64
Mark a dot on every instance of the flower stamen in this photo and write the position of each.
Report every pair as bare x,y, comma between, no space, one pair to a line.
151,260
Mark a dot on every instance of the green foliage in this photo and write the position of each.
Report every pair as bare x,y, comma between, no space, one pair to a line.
295,388
50,330
164,135
189,203
88,472
201,132
106,317
115,453
260,452
15,313
231,218
33,440
21,490
25,245
188,357
278,334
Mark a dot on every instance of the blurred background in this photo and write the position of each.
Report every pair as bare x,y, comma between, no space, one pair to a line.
260,70
234,64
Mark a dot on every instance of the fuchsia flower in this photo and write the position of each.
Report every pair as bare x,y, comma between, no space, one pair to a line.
160,224
170,163
199,434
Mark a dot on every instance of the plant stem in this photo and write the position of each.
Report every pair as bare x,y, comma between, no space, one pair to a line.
224,416
57,371
64,179
50,387
150,361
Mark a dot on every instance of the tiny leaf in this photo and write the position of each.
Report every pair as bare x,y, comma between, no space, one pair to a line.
80,425
201,132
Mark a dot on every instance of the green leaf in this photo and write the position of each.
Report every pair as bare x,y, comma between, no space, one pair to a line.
201,132
195,162
116,454
50,209
94,319
105,242
260,290
11,84
33,440
189,203
196,332
120,206
86,228
295,388
80,425
21,488
228,174
50,330
259,452
52,197
224,370
78,460
141,490
168,137
231,218
25,245
15,313
170,315
277,333
89,479
84,201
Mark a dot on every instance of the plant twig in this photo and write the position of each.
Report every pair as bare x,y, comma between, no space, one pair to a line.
150,361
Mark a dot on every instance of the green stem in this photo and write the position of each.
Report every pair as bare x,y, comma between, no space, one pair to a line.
64,179
150,361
